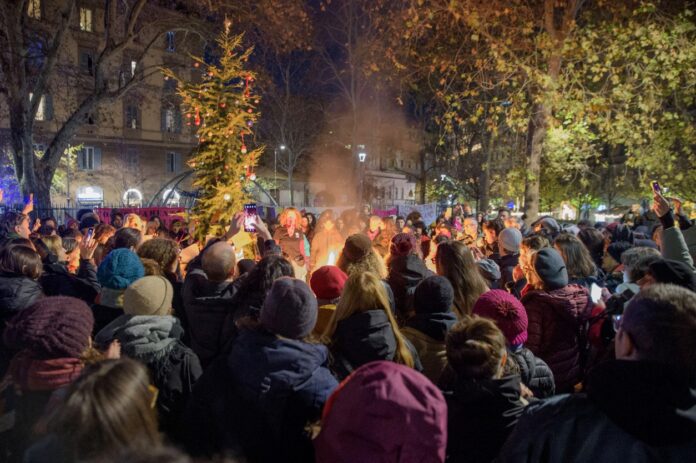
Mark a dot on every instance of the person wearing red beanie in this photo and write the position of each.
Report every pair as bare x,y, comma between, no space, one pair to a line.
327,284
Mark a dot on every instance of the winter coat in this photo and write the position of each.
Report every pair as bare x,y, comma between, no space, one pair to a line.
364,337
427,333
272,387
206,317
556,319
481,414
16,293
324,244
534,372
155,341
507,264
57,281
633,411
405,272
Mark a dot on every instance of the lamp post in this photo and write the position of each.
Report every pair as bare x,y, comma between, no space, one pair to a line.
275,170
362,156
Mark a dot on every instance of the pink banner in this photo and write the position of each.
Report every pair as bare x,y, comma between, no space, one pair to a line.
166,214
385,212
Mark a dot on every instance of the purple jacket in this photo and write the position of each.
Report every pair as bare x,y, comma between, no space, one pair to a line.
384,412
555,318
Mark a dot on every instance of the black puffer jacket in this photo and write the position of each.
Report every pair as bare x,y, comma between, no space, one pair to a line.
633,411
362,338
507,264
535,373
405,272
17,292
57,281
481,414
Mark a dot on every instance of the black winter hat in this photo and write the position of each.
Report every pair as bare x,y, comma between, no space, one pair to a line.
434,295
675,272
616,250
551,268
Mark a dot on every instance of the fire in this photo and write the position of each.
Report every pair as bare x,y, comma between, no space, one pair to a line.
332,258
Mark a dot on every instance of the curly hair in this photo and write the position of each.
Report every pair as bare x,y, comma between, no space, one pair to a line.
161,250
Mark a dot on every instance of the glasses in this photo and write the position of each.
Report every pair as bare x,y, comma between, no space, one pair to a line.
616,322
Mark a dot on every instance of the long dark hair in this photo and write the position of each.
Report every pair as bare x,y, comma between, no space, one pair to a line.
20,260
262,276
455,262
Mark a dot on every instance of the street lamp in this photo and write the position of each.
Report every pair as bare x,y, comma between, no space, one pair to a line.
362,156
275,170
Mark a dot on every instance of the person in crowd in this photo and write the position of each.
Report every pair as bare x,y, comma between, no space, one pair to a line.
387,231
292,241
308,225
148,332
206,313
485,402
358,256
46,230
166,253
14,225
578,260
20,270
327,283
509,315
106,411
669,271
503,213
547,227
471,236
118,271
491,230
327,241
134,221
509,242
636,262
360,419
179,232
102,233
432,320
374,226
124,238
529,246
406,270
490,271
611,265
674,246
116,219
420,232
152,228
363,328
87,221
274,382
557,312
71,246
244,266
652,420
51,339
594,242
455,262
400,223
56,280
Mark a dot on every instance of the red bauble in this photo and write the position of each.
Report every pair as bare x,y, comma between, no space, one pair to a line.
244,149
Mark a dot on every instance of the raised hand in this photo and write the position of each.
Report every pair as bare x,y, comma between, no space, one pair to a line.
29,206
87,248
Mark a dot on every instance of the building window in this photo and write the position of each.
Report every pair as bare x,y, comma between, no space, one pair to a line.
132,117
170,41
132,159
85,19
34,9
171,119
43,112
87,61
173,162
89,158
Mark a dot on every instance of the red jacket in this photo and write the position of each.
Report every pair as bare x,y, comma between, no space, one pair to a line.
555,320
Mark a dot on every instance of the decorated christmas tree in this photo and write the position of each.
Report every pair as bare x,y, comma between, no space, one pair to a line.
219,104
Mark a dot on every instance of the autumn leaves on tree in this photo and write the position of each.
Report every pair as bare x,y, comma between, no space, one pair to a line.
220,105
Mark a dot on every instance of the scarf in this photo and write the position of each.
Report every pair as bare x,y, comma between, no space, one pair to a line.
149,338
111,297
32,374
434,325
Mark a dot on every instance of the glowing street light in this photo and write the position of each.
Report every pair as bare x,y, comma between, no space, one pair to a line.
362,156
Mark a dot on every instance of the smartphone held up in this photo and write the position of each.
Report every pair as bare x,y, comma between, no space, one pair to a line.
250,218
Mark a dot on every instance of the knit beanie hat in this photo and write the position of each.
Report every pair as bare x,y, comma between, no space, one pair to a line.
489,269
674,272
290,309
53,327
551,268
403,244
616,250
433,295
506,311
327,282
357,246
88,220
361,418
150,295
120,268
510,240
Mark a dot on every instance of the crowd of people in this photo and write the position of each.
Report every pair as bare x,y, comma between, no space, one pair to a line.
349,338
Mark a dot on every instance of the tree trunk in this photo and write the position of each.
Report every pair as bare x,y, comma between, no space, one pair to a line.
485,179
536,132
292,190
423,177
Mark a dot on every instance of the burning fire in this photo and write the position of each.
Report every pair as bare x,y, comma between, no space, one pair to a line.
332,258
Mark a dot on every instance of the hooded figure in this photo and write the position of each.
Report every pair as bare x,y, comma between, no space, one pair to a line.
383,412
406,270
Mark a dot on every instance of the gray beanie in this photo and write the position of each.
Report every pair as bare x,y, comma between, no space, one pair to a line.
290,309
551,268
510,240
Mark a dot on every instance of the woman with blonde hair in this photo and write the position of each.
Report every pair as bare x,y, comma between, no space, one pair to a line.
363,328
292,241
455,262
108,410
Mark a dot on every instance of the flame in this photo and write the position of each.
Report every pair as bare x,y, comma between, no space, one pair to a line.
332,258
